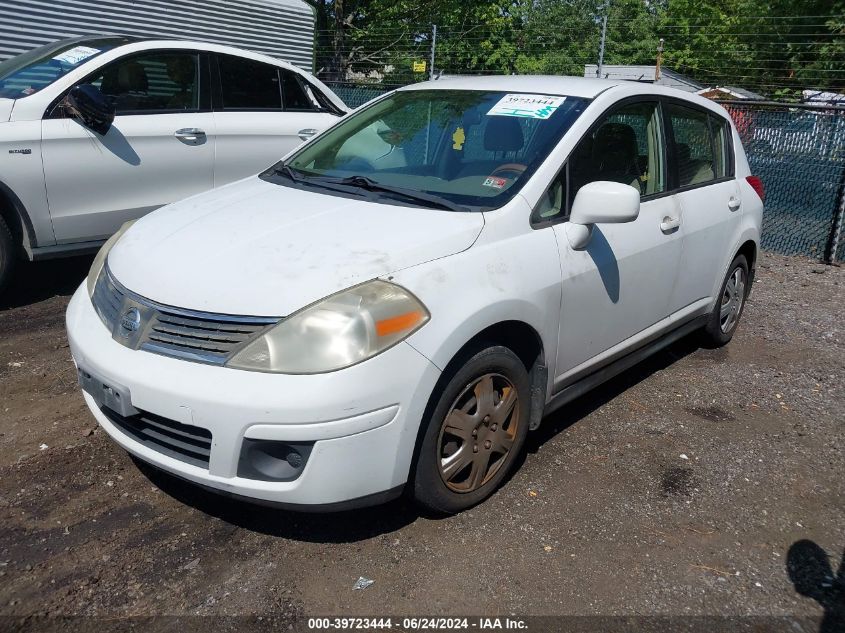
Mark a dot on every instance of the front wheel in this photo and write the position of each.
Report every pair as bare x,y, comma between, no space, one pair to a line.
475,432
723,320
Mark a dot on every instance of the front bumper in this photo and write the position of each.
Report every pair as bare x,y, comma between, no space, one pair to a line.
363,420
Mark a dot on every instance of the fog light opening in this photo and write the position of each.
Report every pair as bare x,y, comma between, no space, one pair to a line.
266,460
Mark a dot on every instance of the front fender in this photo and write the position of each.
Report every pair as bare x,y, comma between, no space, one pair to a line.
514,279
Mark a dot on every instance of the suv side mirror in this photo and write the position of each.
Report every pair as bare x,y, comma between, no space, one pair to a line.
90,106
602,201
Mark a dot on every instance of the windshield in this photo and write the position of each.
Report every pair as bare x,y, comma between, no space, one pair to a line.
34,70
467,149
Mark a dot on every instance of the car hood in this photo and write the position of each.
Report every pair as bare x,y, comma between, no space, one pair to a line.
6,109
256,248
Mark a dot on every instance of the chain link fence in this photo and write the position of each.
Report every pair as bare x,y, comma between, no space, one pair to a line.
797,150
354,95
799,153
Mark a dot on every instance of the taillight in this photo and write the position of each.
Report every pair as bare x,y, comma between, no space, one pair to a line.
757,185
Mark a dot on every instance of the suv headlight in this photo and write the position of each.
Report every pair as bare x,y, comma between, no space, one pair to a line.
100,259
336,332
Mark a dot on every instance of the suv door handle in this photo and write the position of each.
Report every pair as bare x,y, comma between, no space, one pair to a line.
670,224
190,135
734,203
307,133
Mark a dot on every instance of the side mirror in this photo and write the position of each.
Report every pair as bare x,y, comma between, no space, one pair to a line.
602,201
90,106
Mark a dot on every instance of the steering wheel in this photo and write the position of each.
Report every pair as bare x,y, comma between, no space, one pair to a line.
509,168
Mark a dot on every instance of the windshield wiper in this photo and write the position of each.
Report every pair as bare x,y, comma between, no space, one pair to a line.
368,184
286,170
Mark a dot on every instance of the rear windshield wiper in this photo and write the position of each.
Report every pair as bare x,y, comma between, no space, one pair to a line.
368,184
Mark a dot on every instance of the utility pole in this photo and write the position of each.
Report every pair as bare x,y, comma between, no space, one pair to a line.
659,60
340,74
433,46
601,47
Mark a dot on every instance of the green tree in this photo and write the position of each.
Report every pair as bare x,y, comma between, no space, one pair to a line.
761,45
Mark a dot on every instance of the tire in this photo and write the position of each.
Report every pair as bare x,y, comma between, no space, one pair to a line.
727,311
487,440
7,254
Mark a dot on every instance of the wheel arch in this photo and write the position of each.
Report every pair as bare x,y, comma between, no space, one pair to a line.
749,249
524,340
14,213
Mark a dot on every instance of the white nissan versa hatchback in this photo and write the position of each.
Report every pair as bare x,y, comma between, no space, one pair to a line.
400,300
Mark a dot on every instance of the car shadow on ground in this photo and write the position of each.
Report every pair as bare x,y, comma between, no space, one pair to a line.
583,406
356,525
36,281
325,527
810,571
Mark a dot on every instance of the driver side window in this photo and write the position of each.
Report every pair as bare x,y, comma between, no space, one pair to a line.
151,83
625,146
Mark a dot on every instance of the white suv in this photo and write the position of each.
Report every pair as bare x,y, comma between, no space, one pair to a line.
396,304
96,131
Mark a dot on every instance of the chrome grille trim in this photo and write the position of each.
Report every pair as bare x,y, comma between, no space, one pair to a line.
203,337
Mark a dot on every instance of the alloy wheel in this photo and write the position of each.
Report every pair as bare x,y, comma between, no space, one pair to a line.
478,433
732,299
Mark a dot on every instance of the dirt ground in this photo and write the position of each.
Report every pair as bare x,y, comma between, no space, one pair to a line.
692,485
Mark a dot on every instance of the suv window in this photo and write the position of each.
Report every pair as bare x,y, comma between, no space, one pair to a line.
151,82
249,85
695,161
294,96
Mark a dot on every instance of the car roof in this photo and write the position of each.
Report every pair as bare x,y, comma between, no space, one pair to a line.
540,84
117,39
584,87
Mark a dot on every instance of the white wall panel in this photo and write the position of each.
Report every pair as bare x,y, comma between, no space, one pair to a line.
281,28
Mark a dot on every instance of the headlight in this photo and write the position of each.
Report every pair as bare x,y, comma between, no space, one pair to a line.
339,331
100,259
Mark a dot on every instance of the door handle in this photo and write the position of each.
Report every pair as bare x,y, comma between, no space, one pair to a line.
734,203
190,135
307,133
670,224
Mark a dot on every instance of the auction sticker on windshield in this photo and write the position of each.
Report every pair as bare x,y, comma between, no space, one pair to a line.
76,54
527,106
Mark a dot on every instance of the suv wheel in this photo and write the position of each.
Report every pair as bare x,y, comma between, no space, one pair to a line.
475,432
728,309
7,254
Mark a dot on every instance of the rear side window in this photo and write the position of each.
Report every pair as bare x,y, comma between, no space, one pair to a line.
249,85
694,156
721,147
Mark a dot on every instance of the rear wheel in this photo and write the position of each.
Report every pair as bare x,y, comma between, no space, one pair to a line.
475,433
7,254
724,319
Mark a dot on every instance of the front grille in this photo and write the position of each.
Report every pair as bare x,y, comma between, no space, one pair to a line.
108,299
189,444
199,336
212,337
